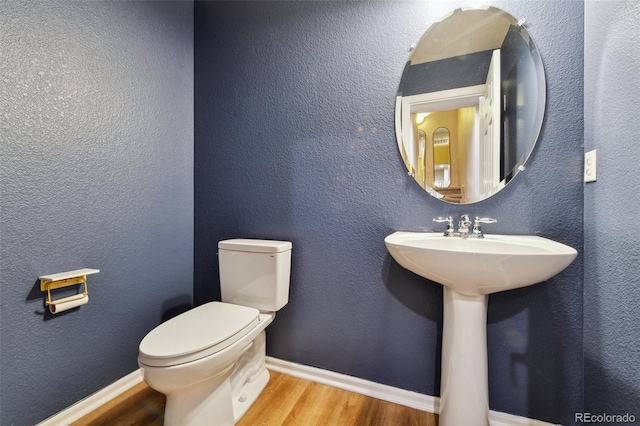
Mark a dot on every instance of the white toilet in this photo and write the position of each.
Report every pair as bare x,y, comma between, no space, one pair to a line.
210,360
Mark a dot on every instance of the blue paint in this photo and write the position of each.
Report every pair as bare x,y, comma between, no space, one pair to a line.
522,75
444,74
96,165
612,254
294,140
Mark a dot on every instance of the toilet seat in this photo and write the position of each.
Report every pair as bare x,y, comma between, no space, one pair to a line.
197,333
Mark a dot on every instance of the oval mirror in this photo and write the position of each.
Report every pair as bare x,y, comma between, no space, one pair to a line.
477,75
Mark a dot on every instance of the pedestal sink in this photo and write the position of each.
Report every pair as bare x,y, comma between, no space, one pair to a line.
470,269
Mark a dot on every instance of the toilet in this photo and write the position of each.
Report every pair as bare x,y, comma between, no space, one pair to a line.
210,360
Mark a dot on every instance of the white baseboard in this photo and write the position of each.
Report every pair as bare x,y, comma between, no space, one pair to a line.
353,384
407,398
93,401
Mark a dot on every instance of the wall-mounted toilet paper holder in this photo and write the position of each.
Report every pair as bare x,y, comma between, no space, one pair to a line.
66,279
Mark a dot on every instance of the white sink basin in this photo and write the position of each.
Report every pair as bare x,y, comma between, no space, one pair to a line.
476,266
470,269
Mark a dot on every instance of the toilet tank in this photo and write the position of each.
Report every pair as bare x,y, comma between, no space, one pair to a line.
255,273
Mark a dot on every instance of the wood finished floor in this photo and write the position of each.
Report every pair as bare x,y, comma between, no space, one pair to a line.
286,400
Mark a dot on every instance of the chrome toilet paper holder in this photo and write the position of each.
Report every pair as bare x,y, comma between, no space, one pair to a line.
66,279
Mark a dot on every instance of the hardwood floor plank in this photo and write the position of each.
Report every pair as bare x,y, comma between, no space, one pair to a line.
276,401
314,406
383,413
286,401
140,405
347,409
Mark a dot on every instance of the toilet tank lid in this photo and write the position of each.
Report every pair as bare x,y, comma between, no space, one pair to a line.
258,246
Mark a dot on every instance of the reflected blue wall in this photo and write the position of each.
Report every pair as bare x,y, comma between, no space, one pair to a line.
294,139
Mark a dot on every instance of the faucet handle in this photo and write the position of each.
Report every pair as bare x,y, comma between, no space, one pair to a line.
480,220
443,219
477,230
450,229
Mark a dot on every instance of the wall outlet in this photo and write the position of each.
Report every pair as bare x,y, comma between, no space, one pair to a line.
590,166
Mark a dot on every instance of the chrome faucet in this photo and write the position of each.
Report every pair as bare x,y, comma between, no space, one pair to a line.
463,226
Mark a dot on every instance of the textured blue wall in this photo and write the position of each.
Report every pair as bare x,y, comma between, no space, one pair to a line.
612,253
294,139
96,166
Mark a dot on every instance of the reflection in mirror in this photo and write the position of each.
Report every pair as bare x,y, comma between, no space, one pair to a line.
477,75
441,158
422,147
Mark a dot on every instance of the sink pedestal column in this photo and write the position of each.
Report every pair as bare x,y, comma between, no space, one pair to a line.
464,392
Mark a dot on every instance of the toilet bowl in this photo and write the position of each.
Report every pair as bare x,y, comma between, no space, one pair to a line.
210,360
207,385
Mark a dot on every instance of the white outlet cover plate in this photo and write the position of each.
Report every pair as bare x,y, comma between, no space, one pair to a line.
590,168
